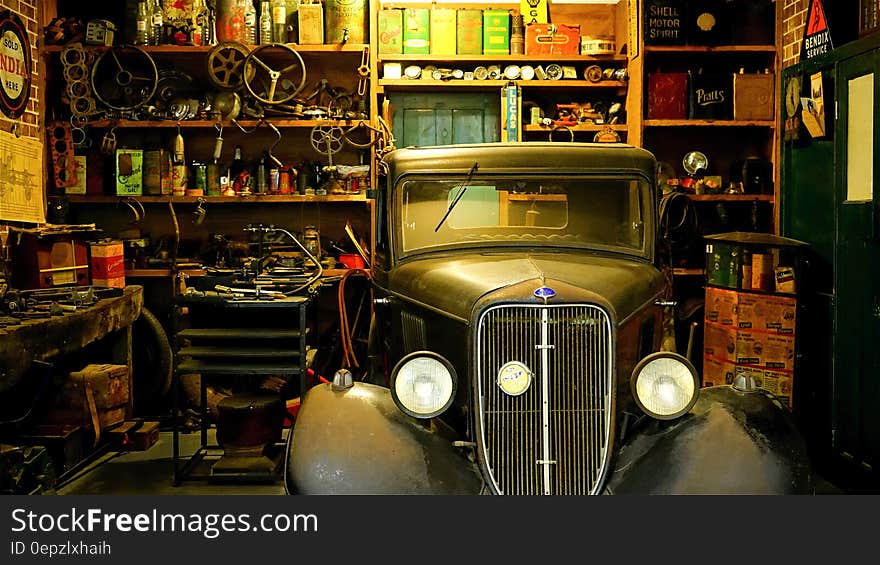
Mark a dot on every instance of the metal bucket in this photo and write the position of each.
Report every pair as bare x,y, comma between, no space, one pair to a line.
340,15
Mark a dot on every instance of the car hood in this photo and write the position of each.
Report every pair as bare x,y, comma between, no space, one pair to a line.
453,284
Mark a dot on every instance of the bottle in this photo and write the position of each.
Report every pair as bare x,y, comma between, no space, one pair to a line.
142,36
157,19
179,173
279,21
250,23
237,171
261,183
265,23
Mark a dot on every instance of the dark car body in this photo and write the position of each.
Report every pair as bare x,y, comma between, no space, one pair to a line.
550,260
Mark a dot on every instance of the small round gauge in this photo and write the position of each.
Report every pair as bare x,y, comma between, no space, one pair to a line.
694,162
512,72
527,72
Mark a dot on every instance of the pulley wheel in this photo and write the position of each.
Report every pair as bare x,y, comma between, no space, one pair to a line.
327,139
273,64
124,77
226,65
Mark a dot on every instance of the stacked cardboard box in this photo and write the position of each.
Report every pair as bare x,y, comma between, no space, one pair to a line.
752,334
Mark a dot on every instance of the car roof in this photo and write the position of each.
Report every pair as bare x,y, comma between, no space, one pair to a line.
522,157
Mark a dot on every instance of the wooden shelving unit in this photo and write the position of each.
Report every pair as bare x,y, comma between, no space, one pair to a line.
254,199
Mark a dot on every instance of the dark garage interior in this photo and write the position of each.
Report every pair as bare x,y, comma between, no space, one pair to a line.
368,247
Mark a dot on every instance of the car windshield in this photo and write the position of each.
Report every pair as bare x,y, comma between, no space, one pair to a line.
593,212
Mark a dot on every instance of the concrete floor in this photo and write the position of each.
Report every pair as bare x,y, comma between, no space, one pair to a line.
150,471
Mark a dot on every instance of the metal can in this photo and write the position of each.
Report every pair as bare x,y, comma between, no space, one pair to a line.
345,16
274,180
212,181
200,176
179,176
284,181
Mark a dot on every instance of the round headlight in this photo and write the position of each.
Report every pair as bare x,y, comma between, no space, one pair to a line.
665,385
423,384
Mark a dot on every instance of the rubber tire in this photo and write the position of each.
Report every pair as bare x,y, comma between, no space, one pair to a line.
152,360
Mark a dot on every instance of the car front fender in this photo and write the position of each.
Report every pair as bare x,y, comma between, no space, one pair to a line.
357,441
731,442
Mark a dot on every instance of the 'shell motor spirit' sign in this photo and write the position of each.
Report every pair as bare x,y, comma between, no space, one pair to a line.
817,36
15,65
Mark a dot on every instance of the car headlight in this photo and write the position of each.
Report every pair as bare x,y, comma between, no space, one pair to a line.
423,384
665,385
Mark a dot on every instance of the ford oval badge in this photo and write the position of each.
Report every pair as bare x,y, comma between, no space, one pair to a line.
545,292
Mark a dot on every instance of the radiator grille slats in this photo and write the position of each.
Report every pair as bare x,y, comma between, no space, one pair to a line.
578,376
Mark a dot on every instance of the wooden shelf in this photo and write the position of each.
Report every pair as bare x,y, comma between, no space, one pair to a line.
580,127
461,83
390,58
710,123
200,272
688,272
204,49
255,199
277,122
731,197
691,49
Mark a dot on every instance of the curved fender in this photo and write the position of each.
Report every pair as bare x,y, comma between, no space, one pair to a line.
357,441
730,443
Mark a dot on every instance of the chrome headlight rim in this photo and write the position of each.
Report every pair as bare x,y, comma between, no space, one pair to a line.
415,355
661,355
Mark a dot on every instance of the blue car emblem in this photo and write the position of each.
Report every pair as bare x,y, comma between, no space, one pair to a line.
545,292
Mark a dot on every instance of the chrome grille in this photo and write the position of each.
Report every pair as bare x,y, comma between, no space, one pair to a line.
553,439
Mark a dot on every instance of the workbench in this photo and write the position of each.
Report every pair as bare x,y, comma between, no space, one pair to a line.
50,338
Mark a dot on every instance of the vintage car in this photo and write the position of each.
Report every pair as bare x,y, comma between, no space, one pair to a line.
519,302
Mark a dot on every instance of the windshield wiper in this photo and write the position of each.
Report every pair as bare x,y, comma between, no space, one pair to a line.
463,187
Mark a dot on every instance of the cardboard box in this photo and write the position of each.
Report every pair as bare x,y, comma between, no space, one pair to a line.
720,342
753,97
469,32
722,306
108,263
390,31
417,31
110,388
443,31
129,172
711,97
767,312
552,39
133,435
718,372
779,384
667,96
496,32
665,22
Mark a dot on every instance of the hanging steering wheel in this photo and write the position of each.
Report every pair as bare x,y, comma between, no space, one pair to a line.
226,65
257,70
124,77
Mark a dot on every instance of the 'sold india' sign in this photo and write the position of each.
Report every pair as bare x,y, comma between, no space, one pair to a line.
817,36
